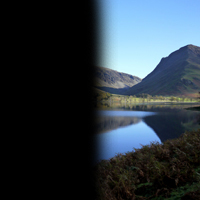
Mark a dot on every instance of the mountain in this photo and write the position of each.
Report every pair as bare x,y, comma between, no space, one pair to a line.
178,74
108,123
113,81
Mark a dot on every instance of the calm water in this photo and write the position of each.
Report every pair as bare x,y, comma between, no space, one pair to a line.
120,129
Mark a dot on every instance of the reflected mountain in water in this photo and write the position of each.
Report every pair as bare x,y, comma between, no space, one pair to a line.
165,126
172,126
169,122
108,123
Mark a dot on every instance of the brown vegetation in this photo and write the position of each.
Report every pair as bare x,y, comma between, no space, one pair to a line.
157,171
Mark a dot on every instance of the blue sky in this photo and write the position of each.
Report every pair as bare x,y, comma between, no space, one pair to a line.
136,34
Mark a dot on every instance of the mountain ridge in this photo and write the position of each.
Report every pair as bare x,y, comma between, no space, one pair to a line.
177,74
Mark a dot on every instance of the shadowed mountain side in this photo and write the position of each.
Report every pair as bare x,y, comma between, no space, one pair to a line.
113,90
108,123
107,79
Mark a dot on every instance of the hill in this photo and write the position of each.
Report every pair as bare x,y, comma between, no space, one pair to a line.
113,81
178,75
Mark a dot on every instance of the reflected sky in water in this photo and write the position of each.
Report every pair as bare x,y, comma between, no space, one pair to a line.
124,113
121,130
124,139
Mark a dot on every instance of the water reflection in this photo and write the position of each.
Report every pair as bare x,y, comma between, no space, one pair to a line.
107,123
107,120
124,139
121,129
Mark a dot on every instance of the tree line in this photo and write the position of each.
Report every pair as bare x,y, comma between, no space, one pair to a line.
105,96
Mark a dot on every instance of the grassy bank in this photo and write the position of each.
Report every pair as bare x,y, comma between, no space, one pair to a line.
169,171
106,96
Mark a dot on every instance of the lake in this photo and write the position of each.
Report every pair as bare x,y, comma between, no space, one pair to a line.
121,128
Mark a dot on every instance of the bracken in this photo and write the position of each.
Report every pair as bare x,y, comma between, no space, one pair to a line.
157,171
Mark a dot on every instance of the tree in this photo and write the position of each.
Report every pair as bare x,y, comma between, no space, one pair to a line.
161,98
172,98
183,98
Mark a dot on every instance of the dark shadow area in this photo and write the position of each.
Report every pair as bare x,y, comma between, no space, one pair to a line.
170,125
194,108
165,126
